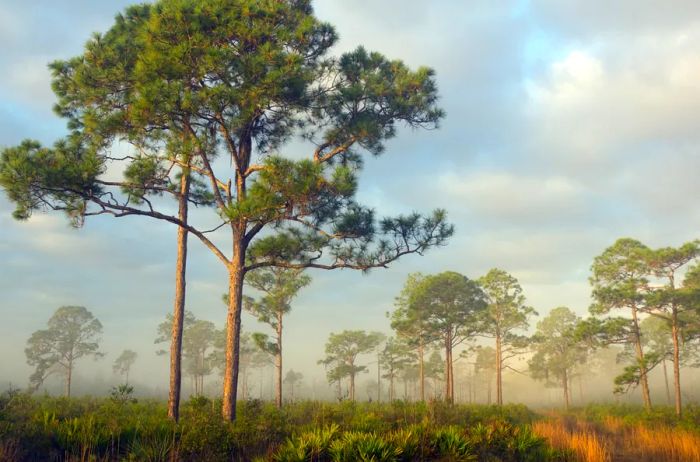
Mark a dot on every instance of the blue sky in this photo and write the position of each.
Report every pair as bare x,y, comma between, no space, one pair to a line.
569,124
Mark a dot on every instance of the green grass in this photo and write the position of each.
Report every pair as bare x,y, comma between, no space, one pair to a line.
103,429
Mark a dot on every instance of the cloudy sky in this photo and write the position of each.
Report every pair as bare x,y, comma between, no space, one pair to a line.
569,124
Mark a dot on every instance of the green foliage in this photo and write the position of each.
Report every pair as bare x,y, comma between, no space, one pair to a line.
122,394
45,428
72,333
342,350
506,309
122,365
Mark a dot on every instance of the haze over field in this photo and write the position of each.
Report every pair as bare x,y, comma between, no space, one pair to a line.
569,124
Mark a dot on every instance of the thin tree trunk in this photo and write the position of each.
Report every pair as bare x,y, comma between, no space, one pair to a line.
233,329
69,377
278,361
379,379
448,371
179,304
499,371
668,390
352,387
391,386
646,396
565,383
676,360
421,367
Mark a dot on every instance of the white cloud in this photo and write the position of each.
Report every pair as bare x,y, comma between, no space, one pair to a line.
513,197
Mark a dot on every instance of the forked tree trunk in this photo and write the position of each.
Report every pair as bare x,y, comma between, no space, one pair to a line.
646,396
179,305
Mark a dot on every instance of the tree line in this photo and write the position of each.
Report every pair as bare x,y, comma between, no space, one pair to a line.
443,311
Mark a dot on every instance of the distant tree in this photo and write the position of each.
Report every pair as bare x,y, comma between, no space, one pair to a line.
620,276
342,351
453,303
292,378
410,321
396,356
278,286
73,332
506,314
670,300
122,365
199,347
485,365
435,370
557,349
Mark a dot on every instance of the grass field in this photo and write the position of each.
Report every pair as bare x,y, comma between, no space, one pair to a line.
102,429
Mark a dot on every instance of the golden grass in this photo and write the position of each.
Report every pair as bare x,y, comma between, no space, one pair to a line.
585,445
615,440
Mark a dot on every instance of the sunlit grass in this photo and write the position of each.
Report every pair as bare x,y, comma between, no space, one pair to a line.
614,439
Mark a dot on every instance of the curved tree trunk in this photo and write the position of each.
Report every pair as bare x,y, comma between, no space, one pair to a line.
646,396
179,305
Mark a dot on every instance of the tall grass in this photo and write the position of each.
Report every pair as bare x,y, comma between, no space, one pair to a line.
612,438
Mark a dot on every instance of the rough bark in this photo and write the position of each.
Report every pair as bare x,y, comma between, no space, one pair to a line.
233,329
179,304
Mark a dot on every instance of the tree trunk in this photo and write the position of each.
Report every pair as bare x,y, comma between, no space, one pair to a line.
448,367
668,391
179,305
676,360
565,384
391,387
233,328
278,361
352,387
379,379
421,367
69,376
646,396
499,371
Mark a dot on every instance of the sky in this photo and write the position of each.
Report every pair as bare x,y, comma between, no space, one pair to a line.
569,124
